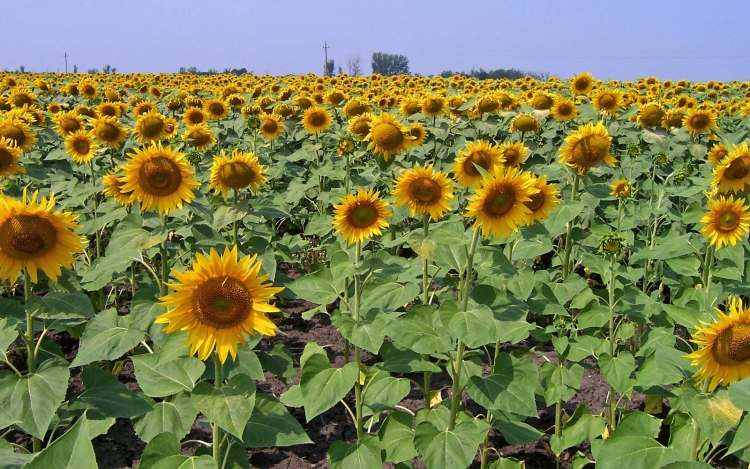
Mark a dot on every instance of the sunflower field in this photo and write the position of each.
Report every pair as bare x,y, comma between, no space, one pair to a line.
361,272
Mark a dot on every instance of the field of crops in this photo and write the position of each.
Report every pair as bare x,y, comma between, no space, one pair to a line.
360,272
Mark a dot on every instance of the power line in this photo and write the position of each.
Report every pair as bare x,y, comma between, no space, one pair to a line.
325,66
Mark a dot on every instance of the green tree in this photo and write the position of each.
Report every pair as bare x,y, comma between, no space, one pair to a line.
389,64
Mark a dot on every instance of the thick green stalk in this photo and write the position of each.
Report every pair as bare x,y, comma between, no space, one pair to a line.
164,260
217,432
358,402
30,346
612,345
234,223
425,263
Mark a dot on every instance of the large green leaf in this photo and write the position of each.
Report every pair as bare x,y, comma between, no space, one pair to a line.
279,362
367,333
107,337
363,455
581,426
160,447
475,327
59,305
158,378
387,296
322,386
617,370
73,450
8,335
129,235
384,391
448,449
397,437
35,397
175,417
186,462
271,425
510,389
229,406
420,330
634,452
105,393
317,287
739,394
715,413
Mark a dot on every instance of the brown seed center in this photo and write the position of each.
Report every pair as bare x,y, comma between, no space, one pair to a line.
222,302
732,345
27,236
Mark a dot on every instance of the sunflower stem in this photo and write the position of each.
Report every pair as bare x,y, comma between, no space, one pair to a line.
164,262
569,230
217,433
234,223
612,345
357,352
425,275
29,339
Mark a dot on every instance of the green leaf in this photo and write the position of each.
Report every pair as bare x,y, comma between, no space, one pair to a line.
638,424
35,397
8,335
174,417
475,327
387,296
739,394
247,362
715,413
397,437
129,235
617,370
530,248
515,432
57,305
145,307
420,330
581,426
687,265
228,214
160,447
634,452
186,462
741,438
687,465
105,393
160,379
385,392
451,256
72,450
279,362
401,360
510,389
582,347
507,463
364,455
448,449
271,425
317,287
107,337
229,406
367,333
322,386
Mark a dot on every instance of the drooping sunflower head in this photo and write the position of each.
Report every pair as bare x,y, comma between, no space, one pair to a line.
316,119
217,301
621,188
160,178
80,146
433,105
388,137
199,136
410,105
564,109
612,244
109,131
543,201
542,100
236,172
500,205
113,183
513,153
360,217
424,191
355,107
699,121
587,148
334,97
525,123
673,118
150,127
717,153
67,123
481,153
19,132
724,353
650,115
271,126
360,125
33,237
418,132
732,174
216,109
194,116
582,83
21,96
726,221
9,154
346,144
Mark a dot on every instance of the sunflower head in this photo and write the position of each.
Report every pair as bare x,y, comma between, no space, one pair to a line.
149,127
621,188
732,174
360,217
217,301
360,125
81,146
608,101
726,221
199,136
513,153
481,153
724,353
563,110
424,191
410,106
236,172
19,132
271,126
717,153
433,105
33,237
108,109
9,154
587,147
216,109
113,182
543,201
418,133
316,119
650,115
699,121
346,144
582,83
109,131
388,137
612,244
194,116
525,123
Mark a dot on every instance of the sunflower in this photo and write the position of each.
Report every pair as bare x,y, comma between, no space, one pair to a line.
346,144
109,131
673,118
316,119
542,100
271,126
544,201
418,133
88,88
142,107
621,188
108,109
33,237
424,191
732,174
699,121
582,83
18,131
563,110
388,137
480,153
67,123
513,153
607,101
360,217
726,221
80,146
53,108
21,96
283,110
159,178
500,205
87,111
217,301
486,104
650,115
334,98
525,122
216,109
193,116
410,106
9,154
113,182
725,346
149,127
360,125
587,147
199,136
170,127
303,102
433,105
238,171
717,153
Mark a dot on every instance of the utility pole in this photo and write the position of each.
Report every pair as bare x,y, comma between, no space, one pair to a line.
66,62
325,66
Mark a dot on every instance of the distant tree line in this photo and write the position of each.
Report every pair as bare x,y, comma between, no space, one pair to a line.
213,71
509,73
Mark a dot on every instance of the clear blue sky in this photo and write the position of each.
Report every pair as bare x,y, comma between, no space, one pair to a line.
622,40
